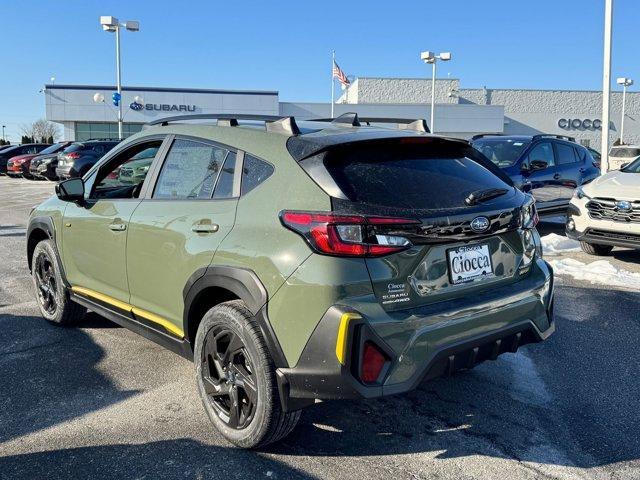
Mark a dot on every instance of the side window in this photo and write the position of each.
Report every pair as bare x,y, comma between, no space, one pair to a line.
542,152
224,185
566,154
254,172
190,170
122,177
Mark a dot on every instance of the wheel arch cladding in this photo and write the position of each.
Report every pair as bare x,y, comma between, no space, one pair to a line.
210,286
40,228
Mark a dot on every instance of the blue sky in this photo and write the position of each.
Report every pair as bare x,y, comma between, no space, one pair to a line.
286,46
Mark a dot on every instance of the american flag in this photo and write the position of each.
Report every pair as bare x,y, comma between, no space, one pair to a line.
339,74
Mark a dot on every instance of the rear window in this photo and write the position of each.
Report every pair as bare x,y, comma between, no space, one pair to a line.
74,147
503,152
625,152
410,177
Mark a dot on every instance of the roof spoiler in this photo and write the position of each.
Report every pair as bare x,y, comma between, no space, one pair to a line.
352,119
273,123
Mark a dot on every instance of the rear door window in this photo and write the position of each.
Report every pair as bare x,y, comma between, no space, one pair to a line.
566,154
190,170
409,177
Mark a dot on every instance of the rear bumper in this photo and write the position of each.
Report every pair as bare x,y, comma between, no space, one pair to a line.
498,322
64,172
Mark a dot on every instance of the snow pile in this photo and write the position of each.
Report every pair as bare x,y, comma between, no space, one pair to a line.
554,244
600,271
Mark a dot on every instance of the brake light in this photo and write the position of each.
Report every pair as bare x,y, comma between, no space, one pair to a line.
72,155
348,235
373,361
529,216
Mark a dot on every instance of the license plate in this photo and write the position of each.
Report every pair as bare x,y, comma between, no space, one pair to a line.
469,263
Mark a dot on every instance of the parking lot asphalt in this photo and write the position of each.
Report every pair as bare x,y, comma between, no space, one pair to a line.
98,401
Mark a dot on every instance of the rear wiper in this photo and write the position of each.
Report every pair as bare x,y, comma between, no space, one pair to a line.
482,195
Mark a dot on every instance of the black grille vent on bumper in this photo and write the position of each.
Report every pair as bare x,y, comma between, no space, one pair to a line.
606,209
627,238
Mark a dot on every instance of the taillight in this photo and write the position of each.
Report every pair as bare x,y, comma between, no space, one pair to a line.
72,155
373,361
529,215
348,235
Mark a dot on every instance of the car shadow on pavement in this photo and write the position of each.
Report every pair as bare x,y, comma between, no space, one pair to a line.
570,401
179,458
49,375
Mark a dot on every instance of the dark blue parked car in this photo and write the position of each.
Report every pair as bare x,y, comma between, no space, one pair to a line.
549,167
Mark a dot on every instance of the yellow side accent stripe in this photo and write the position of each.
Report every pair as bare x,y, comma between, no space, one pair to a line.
130,308
343,334
102,298
138,312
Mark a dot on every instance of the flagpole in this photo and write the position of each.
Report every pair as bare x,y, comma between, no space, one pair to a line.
333,62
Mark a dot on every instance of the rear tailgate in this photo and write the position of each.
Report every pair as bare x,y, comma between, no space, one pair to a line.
458,246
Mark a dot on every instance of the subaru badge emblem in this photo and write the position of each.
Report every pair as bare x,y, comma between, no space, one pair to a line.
623,206
480,224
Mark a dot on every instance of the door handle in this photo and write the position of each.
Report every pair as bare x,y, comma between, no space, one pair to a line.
556,176
117,227
205,228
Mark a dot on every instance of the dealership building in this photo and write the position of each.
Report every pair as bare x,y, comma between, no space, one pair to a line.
460,112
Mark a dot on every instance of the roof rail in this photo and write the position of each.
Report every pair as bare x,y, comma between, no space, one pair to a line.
480,135
551,135
104,139
273,123
352,118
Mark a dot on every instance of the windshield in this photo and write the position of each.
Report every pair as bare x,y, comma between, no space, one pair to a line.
633,167
625,152
504,152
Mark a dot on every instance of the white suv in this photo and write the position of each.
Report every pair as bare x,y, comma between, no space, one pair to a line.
606,212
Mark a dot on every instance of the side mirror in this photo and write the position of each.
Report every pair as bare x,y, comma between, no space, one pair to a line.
71,190
538,165
624,165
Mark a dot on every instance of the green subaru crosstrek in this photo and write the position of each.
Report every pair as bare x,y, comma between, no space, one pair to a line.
295,262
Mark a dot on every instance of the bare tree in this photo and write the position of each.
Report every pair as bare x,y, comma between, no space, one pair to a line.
41,131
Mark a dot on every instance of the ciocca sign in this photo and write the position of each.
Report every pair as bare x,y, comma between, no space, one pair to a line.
580,124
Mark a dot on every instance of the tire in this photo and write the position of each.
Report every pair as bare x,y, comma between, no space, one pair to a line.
51,294
231,355
595,249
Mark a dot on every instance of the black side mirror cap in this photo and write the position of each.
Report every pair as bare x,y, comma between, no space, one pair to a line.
71,190
538,165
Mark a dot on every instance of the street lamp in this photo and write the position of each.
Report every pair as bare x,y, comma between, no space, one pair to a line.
3,127
432,58
625,82
606,86
112,24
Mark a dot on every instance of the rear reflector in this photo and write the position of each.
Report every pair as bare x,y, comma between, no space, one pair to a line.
373,361
348,235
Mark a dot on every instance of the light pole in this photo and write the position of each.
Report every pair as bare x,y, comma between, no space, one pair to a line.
606,85
3,127
625,82
432,58
112,24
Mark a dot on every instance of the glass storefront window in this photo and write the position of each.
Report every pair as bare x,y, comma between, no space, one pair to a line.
88,130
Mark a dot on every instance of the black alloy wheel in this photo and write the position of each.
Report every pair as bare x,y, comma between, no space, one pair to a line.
228,378
46,283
